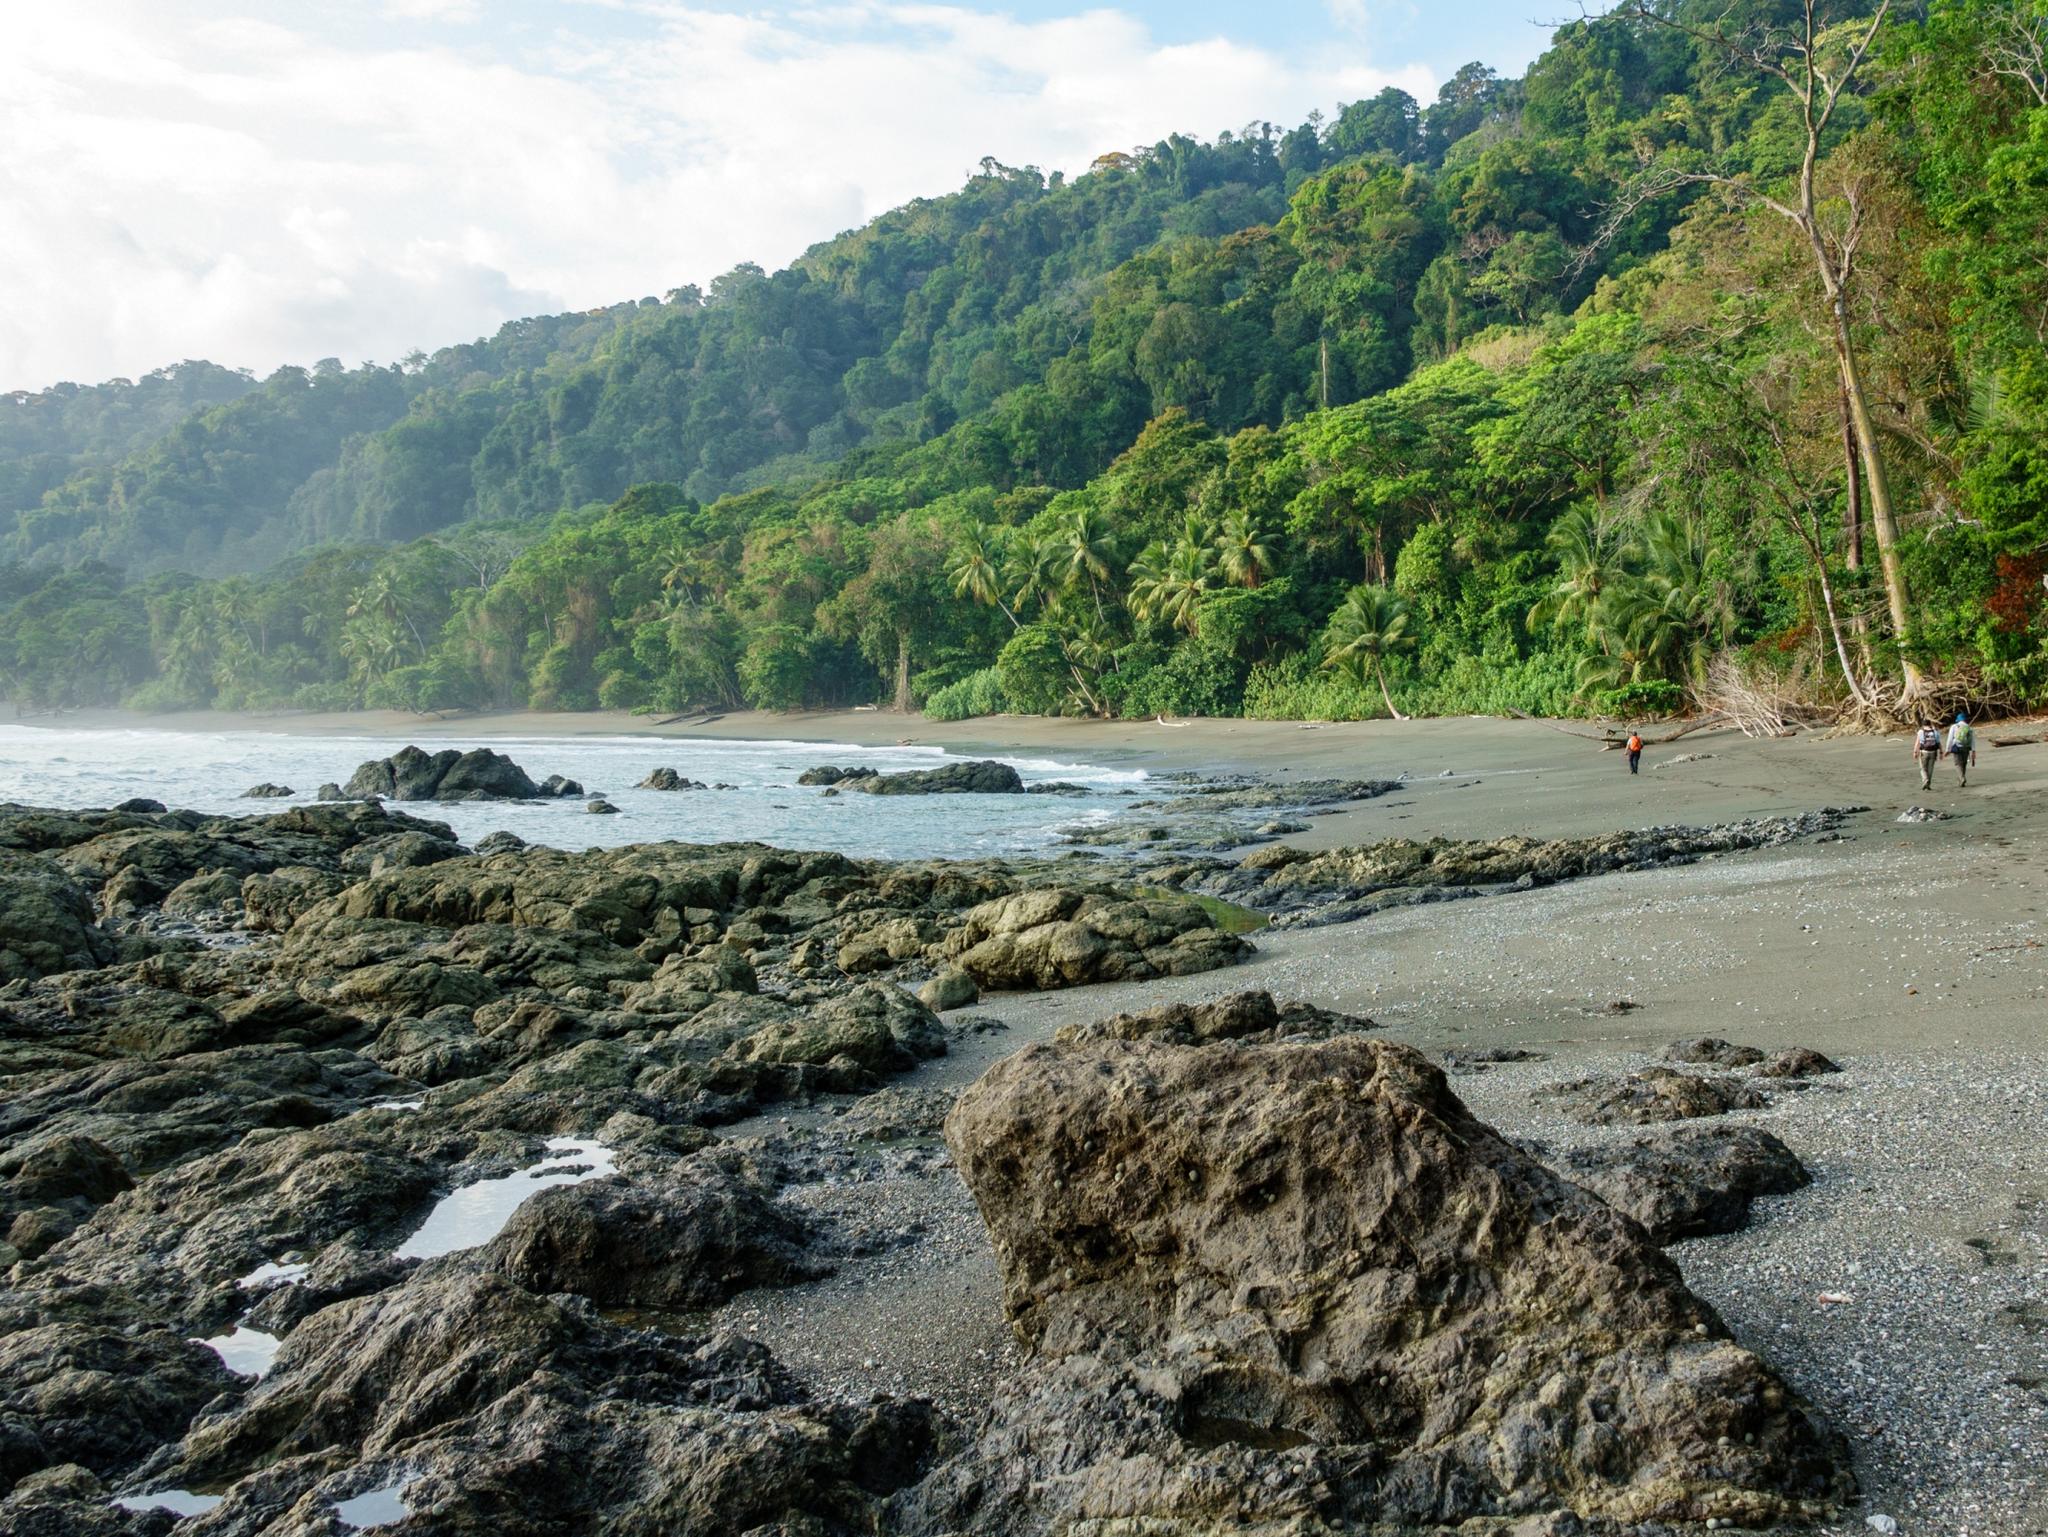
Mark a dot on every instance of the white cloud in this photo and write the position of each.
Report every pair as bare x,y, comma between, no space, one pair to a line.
255,193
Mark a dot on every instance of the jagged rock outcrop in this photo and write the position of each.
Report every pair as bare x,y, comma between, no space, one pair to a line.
686,1242
47,921
1301,1283
1689,1182
1336,885
522,1414
267,792
98,1396
1055,937
980,777
412,774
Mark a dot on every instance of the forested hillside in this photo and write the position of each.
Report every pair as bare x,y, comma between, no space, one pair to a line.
1705,361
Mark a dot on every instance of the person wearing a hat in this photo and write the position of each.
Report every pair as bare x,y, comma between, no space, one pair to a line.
1962,746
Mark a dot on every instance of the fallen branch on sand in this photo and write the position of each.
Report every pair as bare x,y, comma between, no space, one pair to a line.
1611,741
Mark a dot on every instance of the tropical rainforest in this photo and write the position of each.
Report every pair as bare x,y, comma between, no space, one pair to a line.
1703,363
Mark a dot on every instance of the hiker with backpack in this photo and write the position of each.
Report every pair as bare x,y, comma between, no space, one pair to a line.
1635,750
1927,748
1962,746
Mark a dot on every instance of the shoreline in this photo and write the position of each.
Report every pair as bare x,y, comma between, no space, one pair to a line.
1462,777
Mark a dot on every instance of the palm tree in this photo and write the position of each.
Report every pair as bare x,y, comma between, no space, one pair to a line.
1242,548
1586,555
1663,616
1370,625
1168,584
1084,549
977,569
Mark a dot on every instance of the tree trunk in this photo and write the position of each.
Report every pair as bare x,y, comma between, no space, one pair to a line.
1883,521
1380,672
903,671
1852,522
1827,602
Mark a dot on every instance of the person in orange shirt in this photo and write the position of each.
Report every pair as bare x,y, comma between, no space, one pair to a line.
1635,751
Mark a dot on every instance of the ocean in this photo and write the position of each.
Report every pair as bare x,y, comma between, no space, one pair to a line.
209,771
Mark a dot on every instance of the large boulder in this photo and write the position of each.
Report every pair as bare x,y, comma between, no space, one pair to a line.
1264,1283
411,774
47,923
687,1242
1689,1182
99,1396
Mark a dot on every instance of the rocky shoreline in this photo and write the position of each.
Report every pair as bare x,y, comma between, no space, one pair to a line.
251,1062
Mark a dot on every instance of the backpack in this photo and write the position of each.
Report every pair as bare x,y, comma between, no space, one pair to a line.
1635,744
1930,740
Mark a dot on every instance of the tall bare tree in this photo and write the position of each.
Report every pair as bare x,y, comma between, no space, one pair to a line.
1815,60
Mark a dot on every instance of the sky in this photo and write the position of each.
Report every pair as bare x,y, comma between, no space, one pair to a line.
269,181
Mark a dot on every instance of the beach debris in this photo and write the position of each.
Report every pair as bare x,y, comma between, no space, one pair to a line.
1882,1523
1921,814
1833,1299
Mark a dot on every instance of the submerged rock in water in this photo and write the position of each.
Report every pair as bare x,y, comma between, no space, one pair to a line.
1651,1095
980,777
267,791
411,774
1300,1283
602,808
1691,1182
665,778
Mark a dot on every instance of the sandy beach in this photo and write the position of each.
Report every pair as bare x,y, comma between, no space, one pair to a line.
1914,953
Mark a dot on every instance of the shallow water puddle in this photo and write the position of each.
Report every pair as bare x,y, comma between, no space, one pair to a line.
379,1507
247,1351
474,1214
179,1502
278,1272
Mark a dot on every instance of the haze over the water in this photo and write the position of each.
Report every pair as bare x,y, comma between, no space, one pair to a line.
279,182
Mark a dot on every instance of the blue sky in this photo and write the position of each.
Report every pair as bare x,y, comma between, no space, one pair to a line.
269,181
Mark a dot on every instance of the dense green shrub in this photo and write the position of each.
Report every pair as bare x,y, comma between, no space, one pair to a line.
979,693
